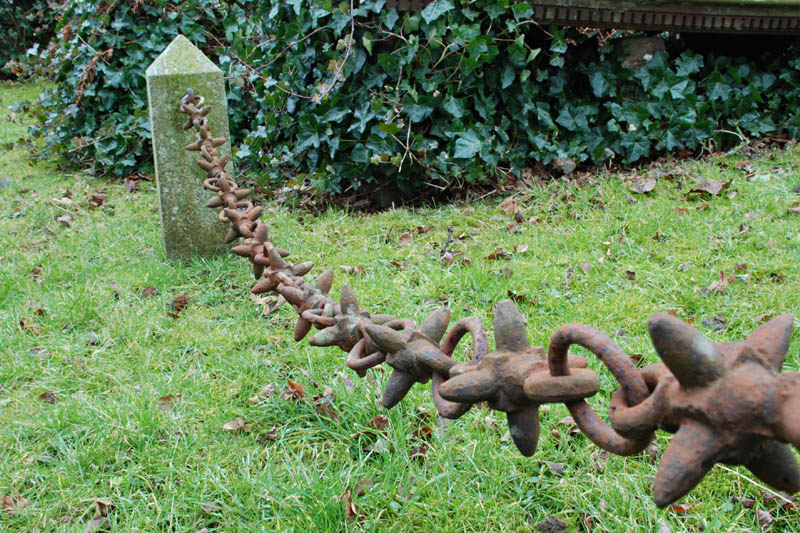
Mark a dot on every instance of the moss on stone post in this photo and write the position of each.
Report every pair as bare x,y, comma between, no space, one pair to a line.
188,226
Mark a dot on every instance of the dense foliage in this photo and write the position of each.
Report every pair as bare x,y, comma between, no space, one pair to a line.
454,92
24,25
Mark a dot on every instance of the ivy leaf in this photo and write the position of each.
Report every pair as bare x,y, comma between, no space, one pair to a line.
467,145
417,113
508,76
390,18
454,106
600,86
436,9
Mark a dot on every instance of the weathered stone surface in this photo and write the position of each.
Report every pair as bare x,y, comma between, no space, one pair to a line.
188,226
639,50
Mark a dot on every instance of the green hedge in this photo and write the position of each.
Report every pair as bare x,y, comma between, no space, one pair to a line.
458,91
24,25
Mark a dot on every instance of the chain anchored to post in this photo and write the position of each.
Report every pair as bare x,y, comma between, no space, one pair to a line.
727,403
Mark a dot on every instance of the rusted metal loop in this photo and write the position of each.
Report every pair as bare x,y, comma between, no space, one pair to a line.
639,420
316,317
357,361
634,388
480,347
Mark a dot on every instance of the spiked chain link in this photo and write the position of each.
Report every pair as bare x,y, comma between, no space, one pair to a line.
726,402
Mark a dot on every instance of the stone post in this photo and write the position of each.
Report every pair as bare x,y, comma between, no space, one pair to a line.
189,227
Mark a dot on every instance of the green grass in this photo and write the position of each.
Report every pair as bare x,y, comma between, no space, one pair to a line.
113,353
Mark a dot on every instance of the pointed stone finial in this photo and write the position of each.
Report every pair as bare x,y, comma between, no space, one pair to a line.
188,227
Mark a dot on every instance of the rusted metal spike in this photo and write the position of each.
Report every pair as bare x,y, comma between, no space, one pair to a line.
524,428
692,358
690,455
776,466
771,340
435,325
396,388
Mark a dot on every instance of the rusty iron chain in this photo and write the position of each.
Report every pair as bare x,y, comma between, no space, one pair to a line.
727,403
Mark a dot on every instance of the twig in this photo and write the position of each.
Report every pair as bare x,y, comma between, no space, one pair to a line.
448,242
756,483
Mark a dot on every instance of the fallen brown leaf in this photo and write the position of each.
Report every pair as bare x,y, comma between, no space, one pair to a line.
521,298
167,403
211,507
354,270
642,185
267,391
149,291
12,504
764,519
100,522
510,206
499,253
178,305
49,397
324,403
97,199
419,453
586,266
719,285
423,229
747,503
351,513
238,424
521,249
682,508
293,391
27,325
709,186
362,487
131,185
630,274
380,422
404,240
398,265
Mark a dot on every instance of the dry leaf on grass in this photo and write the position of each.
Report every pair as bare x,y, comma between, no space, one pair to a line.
49,397
27,325
178,305
764,519
100,522
149,291
267,391
211,507
499,253
324,403
380,422
709,186
420,453
354,270
682,508
642,185
12,504
423,229
167,403
238,424
510,206
405,239
293,391
351,513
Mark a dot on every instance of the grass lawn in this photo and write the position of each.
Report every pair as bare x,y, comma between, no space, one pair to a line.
85,354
